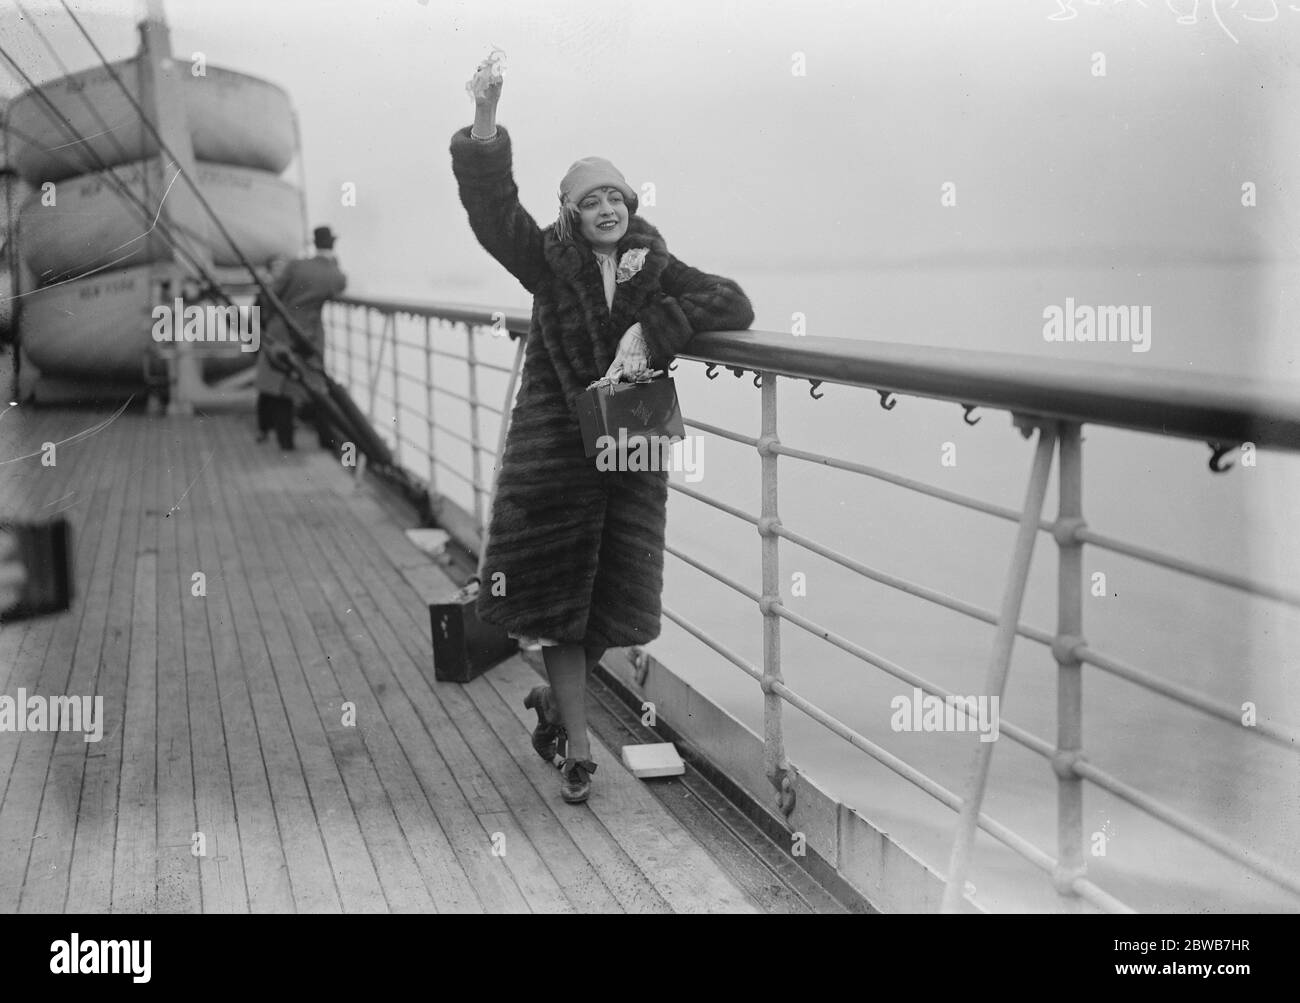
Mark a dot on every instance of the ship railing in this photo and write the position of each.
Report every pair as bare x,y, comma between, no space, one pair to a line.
1048,400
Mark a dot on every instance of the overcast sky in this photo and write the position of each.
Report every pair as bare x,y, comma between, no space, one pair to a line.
754,165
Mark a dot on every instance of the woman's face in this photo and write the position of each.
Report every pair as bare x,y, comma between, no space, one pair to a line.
598,210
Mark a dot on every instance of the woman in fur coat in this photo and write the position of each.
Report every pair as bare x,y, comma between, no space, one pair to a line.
575,554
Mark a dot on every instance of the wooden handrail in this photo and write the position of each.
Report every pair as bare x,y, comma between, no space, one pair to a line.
1222,409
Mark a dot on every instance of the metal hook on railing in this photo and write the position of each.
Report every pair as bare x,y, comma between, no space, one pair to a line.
968,408
737,371
887,399
1217,452
709,371
758,379
812,390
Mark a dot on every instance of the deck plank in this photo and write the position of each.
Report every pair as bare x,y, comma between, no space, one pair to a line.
523,863
72,792
471,765
221,865
38,804
683,873
305,666
467,805
307,863
272,582
764,871
135,852
90,876
356,659
223,712
409,660
334,679
179,886
632,890
265,870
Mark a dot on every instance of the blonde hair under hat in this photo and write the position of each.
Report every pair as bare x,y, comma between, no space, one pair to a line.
583,178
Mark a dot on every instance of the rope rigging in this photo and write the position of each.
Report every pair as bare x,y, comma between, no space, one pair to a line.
301,342
153,219
334,401
120,187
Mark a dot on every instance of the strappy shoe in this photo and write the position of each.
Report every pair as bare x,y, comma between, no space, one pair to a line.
549,730
576,784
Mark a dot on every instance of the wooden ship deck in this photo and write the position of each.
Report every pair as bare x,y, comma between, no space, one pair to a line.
224,713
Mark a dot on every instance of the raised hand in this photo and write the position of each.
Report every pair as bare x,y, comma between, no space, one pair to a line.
485,85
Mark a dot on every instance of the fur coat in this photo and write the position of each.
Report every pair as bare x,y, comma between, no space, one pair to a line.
575,554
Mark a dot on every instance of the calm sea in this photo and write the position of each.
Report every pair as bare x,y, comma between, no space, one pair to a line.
1226,319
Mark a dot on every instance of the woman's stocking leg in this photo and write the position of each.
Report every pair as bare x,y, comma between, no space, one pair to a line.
566,667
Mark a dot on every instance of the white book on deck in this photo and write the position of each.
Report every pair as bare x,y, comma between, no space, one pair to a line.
432,541
659,759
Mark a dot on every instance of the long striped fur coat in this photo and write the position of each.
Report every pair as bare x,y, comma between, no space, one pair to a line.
575,553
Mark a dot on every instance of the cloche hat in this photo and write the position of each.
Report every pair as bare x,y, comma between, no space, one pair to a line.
583,178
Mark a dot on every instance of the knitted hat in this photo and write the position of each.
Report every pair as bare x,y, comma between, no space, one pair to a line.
584,177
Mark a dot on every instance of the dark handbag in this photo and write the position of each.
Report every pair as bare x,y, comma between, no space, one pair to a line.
629,413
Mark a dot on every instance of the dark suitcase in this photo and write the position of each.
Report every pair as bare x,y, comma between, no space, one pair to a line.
463,645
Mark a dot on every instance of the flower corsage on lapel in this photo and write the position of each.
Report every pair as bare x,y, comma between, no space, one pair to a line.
631,263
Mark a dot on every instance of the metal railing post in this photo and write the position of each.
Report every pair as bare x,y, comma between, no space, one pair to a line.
352,352
999,662
1070,862
377,361
370,366
428,403
397,390
327,323
476,458
775,763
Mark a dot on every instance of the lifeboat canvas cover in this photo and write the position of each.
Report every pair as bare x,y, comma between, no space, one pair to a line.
234,119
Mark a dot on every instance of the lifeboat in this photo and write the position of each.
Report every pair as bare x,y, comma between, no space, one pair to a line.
233,118
100,328
102,266
90,225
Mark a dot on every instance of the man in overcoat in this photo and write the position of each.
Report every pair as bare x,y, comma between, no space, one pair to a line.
303,287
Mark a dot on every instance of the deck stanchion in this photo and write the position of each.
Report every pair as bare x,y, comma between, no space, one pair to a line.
999,662
428,403
354,354
477,460
397,390
379,362
775,763
370,367
1069,672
